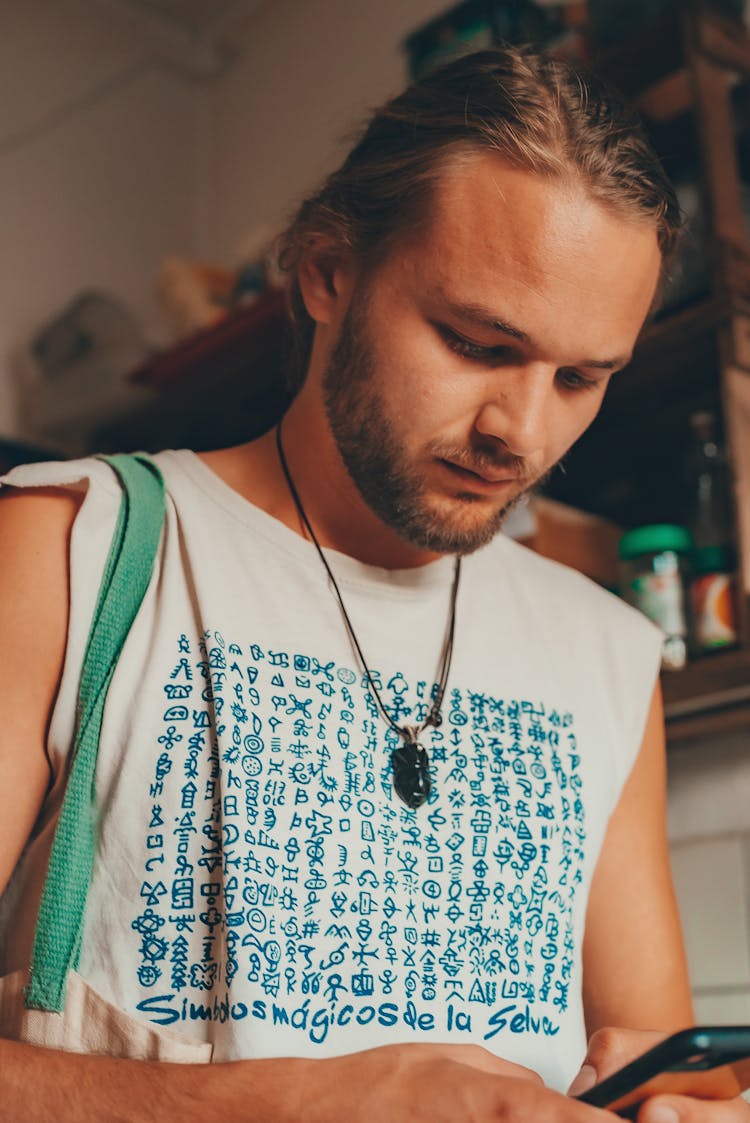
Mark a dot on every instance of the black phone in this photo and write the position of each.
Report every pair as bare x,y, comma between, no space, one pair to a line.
708,1062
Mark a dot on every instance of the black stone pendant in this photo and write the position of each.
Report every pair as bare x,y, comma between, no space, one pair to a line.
411,773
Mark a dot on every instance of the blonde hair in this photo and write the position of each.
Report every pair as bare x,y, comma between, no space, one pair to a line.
540,113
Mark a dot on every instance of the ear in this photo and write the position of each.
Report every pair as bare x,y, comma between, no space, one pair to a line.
325,276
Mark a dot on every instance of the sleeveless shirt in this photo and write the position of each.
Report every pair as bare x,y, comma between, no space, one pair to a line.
258,885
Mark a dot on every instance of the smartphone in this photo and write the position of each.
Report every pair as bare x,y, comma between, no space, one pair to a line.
708,1062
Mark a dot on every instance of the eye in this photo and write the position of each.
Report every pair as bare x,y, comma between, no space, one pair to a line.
475,352
574,380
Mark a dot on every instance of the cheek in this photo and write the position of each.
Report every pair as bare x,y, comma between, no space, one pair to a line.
441,410
442,399
434,381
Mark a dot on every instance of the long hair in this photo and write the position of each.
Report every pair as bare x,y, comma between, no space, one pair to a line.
541,114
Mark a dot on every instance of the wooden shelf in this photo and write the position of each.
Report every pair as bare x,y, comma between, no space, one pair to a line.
222,386
677,328
652,67
628,466
713,682
207,353
651,55
688,72
710,696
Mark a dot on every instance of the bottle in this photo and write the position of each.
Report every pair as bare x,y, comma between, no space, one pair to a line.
654,570
711,522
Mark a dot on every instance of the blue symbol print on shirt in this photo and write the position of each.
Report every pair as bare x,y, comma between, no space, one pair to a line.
284,874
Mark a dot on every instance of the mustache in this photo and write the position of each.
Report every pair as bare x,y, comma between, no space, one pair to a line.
480,461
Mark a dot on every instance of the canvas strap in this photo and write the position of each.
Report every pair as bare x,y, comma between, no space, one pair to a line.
57,941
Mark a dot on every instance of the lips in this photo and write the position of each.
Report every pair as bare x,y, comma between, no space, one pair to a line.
488,478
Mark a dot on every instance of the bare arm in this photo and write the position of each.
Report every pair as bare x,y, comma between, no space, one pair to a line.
47,1086
399,1083
635,973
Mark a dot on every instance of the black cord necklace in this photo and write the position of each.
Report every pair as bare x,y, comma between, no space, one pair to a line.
409,762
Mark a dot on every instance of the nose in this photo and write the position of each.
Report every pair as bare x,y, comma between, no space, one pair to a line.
518,412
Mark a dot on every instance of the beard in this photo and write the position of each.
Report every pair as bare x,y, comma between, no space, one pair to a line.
370,443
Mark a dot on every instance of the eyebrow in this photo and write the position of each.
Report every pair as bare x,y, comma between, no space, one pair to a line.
481,317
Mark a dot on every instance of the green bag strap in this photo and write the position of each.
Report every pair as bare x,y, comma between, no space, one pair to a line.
57,941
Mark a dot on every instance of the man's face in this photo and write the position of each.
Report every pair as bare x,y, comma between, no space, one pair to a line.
471,359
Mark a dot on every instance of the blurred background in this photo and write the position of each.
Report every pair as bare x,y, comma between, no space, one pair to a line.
150,152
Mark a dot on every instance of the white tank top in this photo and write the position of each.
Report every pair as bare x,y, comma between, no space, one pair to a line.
258,885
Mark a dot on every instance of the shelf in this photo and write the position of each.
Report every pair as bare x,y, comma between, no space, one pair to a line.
224,344
219,387
709,696
652,67
628,466
677,328
650,55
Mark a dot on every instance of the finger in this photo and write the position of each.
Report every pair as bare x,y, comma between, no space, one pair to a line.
586,1078
608,1050
687,1109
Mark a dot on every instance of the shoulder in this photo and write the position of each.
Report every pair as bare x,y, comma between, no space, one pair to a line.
35,524
39,504
38,507
557,586
23,511
35,530
604,636
68,476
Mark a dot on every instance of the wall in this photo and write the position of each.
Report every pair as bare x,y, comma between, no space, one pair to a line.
96,167
109,159
709,827
305,76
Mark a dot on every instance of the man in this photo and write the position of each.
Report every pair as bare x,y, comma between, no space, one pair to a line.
381,832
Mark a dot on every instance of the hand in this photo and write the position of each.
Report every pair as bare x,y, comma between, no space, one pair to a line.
419,1083
610,1049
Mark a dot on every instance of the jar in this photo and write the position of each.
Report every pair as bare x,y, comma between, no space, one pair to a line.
654,567
712,599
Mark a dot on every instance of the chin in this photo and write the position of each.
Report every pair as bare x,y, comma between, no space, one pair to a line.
447,527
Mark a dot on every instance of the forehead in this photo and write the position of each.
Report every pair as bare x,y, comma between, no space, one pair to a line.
541,247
